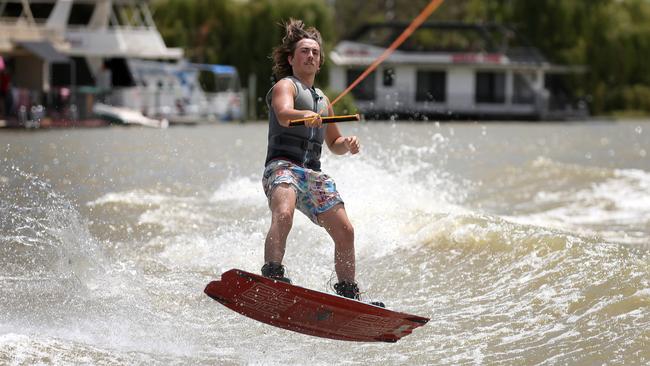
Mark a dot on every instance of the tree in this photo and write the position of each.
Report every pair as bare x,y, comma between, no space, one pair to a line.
241,34
610,37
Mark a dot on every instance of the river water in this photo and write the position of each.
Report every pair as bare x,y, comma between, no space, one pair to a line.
525,243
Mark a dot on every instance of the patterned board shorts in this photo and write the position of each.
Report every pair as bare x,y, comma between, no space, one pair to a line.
315,191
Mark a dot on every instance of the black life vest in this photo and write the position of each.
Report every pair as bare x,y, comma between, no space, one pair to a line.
300,145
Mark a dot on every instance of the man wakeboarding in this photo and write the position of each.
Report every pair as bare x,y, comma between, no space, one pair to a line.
292,176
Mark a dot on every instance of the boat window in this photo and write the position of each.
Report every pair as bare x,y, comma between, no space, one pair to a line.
490,87
15,9
431,86
80,14
366,88
12,10
389,76
41,11
523,91
559,92
61,73
120,74
214,83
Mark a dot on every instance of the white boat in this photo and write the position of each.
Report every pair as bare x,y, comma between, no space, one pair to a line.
452,70
127,116
110,51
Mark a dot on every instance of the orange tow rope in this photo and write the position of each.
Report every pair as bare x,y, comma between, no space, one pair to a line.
433,5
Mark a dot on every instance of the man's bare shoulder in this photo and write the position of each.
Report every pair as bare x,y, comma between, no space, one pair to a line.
284,86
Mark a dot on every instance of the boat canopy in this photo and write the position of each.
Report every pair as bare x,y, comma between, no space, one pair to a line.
45,51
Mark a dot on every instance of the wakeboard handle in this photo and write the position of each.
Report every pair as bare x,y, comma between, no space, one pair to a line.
332,119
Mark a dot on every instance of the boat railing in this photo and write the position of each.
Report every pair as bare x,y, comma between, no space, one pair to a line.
27,31
131,41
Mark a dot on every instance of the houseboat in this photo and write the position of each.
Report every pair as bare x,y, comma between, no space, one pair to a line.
453,70
68,58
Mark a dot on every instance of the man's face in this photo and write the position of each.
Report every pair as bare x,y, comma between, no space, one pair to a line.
306,56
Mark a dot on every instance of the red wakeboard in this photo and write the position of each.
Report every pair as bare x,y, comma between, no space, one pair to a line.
310,312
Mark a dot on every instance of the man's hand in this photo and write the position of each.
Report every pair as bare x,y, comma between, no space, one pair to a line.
314,120
352,143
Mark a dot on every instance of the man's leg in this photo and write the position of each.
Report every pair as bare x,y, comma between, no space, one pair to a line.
337,224
283,204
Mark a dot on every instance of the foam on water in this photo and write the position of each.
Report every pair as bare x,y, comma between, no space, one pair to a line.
526,286
535,289
613,204
45,246
57,283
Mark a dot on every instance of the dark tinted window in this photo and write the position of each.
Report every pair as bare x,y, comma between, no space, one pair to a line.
80,14
41,10
61,73
389,76
366,88
121,76
523,92
431,86
490,87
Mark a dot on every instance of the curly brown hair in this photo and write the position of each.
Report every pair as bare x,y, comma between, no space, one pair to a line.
294,31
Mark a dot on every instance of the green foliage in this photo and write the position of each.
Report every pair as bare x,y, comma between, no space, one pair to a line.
630,97
239,33
610,37
345,105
